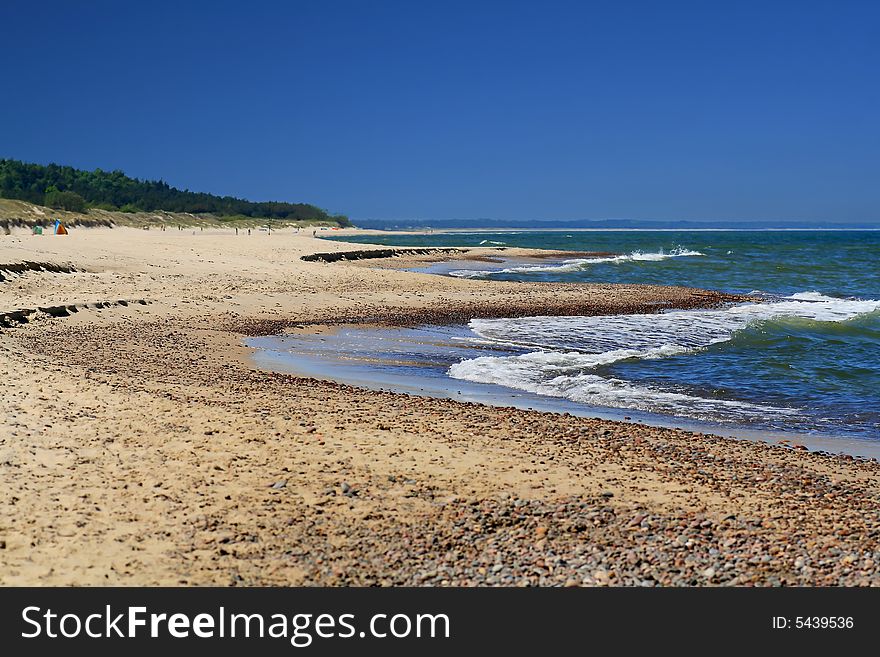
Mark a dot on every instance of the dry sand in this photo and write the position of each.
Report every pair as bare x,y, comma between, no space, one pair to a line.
139,446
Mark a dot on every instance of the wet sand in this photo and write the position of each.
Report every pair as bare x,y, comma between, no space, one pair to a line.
140,445
415,360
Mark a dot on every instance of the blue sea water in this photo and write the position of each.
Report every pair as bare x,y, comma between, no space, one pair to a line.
806,359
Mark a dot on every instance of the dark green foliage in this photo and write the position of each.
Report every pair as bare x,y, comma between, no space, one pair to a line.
64,200
111,190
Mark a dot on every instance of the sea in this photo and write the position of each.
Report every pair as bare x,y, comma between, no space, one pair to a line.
802,361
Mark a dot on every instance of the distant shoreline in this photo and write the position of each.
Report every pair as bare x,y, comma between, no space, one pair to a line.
603,230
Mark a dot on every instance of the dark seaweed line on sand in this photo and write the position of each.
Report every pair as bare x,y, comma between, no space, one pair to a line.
367,254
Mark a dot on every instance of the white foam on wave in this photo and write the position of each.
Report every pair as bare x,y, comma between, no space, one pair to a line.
577,264
566,352
472,273
817,296
562,374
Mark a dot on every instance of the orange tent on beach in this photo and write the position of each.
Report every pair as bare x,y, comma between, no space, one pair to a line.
59,228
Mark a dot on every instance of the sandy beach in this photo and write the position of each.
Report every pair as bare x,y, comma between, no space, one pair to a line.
140,446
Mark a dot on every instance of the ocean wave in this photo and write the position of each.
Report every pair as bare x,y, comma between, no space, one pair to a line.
562,375
578,264
684,328
472,273
565,354
816,296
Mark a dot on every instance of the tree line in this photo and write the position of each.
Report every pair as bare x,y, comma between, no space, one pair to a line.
77,190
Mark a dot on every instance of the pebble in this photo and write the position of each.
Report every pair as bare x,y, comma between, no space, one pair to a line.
481,534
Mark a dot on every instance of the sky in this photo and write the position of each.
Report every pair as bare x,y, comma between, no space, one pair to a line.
438,110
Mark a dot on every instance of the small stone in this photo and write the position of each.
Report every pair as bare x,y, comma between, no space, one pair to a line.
709,573
540,532
345,488
279,484
607,494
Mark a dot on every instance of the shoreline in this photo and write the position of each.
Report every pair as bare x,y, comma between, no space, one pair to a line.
140,447
338,365
479,231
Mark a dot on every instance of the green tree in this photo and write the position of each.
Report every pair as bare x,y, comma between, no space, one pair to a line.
63,186
64,200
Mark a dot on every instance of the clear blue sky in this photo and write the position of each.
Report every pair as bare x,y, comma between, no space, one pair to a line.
509,110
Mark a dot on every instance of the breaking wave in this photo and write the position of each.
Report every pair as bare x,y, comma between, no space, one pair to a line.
568,357
577,264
